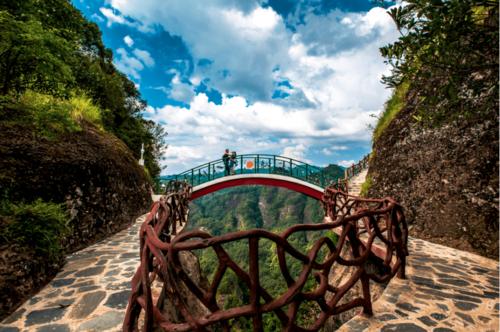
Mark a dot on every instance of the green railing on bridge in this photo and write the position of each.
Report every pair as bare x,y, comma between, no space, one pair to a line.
258,164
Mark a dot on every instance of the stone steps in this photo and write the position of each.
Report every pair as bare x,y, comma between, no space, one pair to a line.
356,182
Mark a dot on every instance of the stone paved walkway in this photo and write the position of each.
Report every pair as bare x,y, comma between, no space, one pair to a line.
445,290
89,294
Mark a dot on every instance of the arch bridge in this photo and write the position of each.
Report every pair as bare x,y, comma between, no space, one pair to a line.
259,169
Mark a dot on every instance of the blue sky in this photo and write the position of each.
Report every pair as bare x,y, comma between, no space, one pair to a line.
296,78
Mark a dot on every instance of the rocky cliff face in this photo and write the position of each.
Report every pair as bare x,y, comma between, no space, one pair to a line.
91,172
446,178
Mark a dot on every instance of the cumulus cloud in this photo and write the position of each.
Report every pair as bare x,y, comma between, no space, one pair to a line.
128,40
244,41
331,62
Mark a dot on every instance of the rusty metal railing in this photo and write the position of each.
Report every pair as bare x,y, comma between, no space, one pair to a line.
370,226
355,169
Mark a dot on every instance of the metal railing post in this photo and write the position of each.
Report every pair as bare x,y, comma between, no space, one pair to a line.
291,169
257,164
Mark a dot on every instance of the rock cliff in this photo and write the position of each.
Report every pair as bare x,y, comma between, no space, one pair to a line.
445,176
90,172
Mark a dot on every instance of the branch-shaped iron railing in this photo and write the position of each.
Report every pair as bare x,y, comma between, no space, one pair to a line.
258,164
361,222
355,169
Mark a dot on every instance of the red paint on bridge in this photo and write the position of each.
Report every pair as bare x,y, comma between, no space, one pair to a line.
306,190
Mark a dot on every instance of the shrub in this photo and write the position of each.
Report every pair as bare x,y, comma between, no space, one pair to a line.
38,225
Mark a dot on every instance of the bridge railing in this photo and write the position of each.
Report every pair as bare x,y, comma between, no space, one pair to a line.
257,163
164,274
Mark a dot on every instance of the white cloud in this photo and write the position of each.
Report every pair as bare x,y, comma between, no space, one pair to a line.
114,17
331,149
181,91
132,64
97,17
144,56
128,40
346,163
295,152
332,62
247,128
128,64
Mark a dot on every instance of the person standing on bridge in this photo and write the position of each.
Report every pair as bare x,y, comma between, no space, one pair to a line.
232,162
226,159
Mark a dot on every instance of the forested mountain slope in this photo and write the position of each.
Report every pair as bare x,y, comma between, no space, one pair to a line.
249,207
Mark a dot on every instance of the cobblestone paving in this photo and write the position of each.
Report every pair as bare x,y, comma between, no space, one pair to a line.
445,290
89,294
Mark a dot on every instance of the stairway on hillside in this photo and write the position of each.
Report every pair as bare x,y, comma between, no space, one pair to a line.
356,182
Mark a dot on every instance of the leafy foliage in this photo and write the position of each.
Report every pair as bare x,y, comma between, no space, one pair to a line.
448,50
38,225
32,57
48,47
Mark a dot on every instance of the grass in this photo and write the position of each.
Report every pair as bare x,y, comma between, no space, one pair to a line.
52,116
392,107
365,186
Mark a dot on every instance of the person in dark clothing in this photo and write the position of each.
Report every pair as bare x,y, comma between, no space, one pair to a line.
226,157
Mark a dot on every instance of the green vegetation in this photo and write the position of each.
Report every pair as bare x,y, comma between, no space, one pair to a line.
39,225
50,116
393,106
366,186
448,51
54,62
270,208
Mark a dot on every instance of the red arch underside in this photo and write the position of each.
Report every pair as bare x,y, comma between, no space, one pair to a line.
259,181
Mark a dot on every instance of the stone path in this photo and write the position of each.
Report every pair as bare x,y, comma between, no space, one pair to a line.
89,294
445,290
356,181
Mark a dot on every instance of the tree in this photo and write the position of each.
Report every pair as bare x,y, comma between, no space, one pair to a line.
32,57
49,47
448,51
